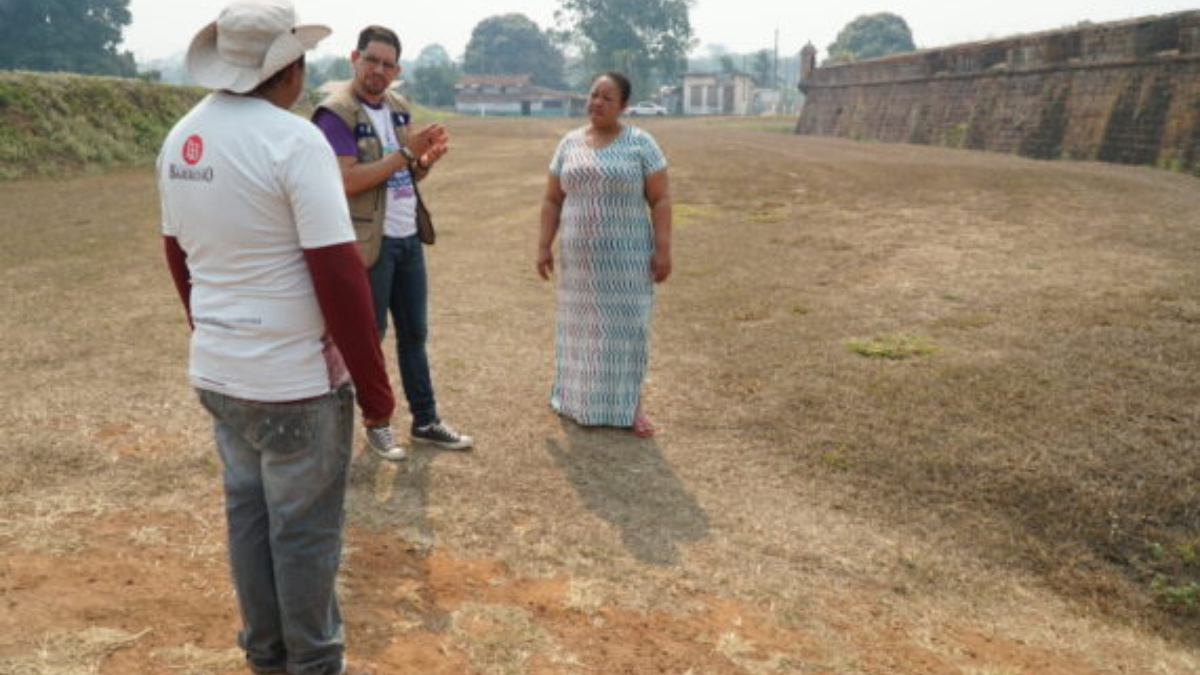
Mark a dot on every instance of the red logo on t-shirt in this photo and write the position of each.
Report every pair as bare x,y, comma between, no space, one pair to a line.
193,150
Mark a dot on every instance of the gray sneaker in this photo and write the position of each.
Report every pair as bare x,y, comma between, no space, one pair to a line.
442,436
380,441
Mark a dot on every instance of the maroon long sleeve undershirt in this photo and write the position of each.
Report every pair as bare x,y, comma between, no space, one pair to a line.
177,262
345,300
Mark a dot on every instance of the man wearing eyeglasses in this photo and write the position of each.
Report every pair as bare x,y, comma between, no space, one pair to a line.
381,159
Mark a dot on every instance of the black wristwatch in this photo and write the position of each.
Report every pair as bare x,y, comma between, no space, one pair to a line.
412,159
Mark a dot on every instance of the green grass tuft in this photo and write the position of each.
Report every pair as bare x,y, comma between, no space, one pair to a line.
892,347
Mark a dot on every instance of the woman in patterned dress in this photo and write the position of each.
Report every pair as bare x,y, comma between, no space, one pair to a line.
608,198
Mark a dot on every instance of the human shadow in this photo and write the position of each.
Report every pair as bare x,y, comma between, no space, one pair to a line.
397,494
627,482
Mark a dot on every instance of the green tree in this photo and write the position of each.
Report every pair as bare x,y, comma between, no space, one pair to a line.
512,44
870,36
764,68
710,60
433,55
78,36
171,70
646,39
433,83
322,69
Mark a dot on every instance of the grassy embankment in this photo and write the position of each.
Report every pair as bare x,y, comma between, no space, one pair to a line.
52,123
57,123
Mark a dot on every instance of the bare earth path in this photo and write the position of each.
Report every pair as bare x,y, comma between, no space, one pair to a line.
767,529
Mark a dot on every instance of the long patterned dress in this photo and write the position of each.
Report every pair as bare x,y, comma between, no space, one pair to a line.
605,292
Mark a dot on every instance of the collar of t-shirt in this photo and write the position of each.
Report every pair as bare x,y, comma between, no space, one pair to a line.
399,118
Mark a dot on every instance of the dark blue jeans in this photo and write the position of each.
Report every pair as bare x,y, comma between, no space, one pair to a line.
285,488
399,287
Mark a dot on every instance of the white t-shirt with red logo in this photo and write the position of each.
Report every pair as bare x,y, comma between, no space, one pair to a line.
245,187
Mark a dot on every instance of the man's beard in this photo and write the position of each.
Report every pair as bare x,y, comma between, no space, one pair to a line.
374,85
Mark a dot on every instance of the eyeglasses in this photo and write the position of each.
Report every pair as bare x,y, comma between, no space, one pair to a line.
376,62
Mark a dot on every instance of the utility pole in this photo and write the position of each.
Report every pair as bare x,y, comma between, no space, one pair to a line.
775,74
775,64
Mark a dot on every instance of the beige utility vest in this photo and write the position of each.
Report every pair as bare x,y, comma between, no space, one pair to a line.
367,207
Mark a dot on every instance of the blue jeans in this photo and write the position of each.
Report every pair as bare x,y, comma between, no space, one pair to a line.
398,286
285,487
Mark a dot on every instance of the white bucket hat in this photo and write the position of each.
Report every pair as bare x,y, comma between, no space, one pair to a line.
248,43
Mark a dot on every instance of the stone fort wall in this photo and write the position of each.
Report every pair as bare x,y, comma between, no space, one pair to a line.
1126,92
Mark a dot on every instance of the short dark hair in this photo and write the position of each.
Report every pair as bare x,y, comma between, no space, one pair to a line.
378,34
621,81
274,80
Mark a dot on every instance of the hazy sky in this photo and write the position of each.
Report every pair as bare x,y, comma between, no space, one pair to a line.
161,28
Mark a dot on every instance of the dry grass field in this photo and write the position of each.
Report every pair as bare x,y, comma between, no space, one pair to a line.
921,412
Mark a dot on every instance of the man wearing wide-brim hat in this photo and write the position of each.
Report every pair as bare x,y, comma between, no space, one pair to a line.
258,238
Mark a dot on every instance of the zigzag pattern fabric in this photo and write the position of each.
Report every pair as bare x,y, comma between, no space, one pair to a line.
605,293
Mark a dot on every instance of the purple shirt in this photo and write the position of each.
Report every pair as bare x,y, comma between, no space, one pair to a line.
343,138
340,136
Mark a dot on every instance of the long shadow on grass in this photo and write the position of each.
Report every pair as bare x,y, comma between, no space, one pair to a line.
398,494
627,482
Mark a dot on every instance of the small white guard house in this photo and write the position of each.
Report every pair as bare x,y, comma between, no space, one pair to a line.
513,95
717,93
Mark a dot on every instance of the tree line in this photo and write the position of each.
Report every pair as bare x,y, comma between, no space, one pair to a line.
78,36
647,39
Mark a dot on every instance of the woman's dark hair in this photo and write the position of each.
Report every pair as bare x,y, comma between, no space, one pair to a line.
622,83
378,34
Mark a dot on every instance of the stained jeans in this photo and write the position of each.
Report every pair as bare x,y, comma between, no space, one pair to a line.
285,487
398,286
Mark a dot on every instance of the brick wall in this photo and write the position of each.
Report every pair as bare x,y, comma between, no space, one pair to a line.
1125,92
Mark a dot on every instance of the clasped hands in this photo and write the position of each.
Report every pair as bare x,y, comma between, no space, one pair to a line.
429,144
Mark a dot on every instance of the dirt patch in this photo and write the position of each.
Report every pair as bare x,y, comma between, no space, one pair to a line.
155,602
